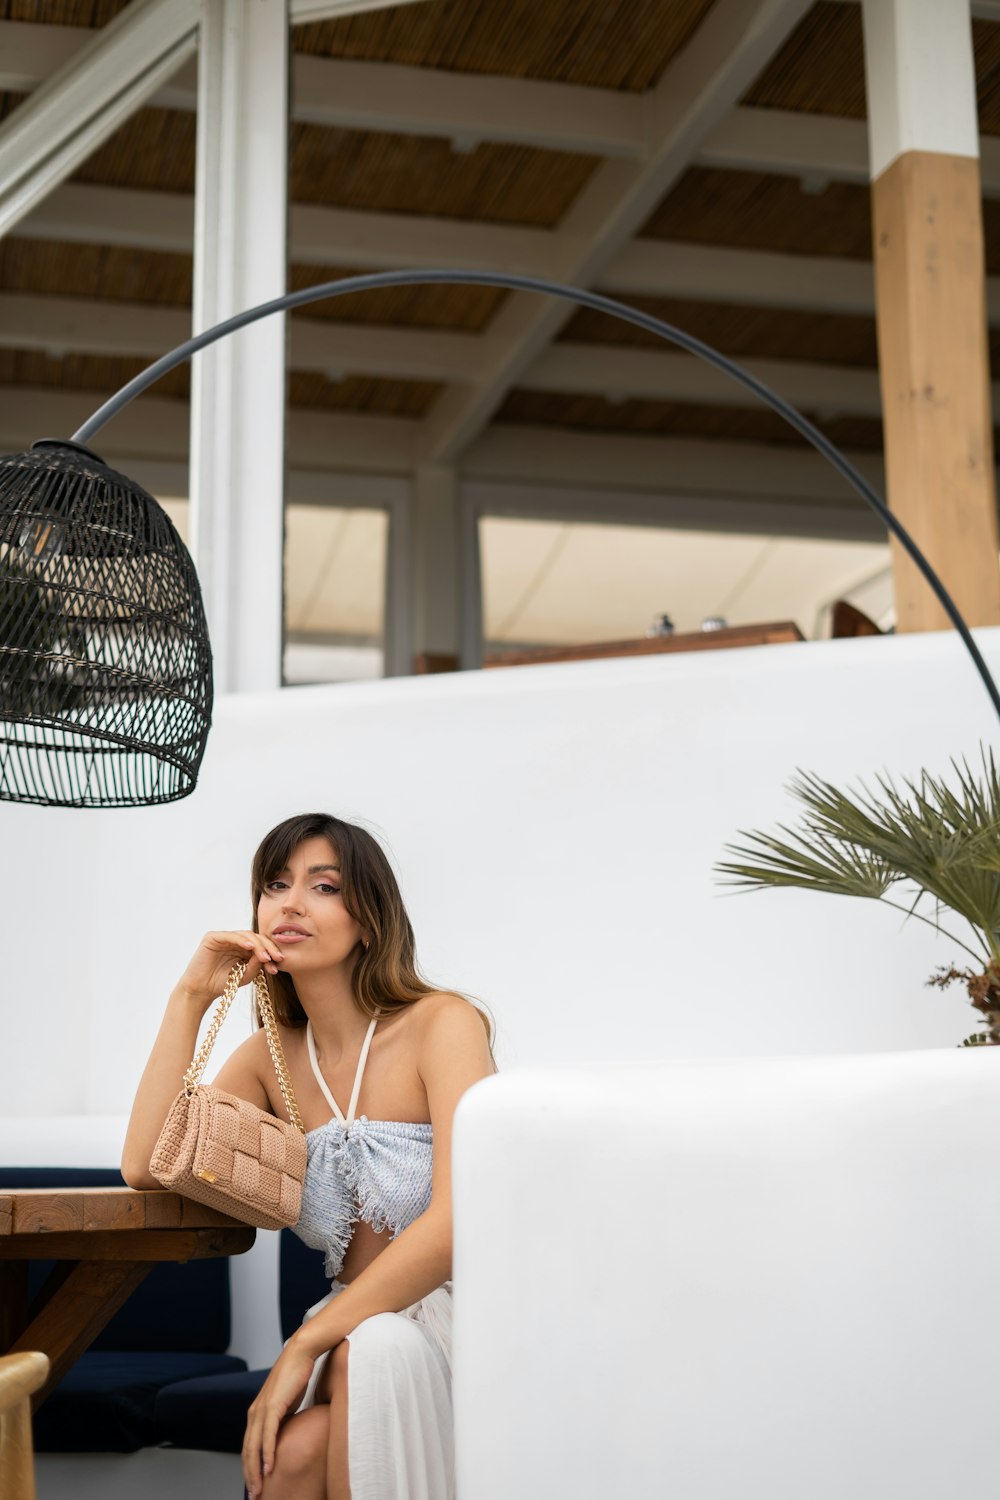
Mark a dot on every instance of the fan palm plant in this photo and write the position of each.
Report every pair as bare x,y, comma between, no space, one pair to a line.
926,850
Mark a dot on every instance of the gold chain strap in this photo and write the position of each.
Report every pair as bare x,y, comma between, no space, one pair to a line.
193,1075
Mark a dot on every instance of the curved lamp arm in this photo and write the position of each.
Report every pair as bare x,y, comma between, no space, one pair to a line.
594,300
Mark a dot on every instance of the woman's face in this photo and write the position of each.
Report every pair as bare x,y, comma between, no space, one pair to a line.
302,909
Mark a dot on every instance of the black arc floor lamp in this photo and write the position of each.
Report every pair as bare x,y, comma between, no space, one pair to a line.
105,663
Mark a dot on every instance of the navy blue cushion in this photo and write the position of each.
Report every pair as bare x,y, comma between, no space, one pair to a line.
179,1307
209,1411
302,1281
106,1402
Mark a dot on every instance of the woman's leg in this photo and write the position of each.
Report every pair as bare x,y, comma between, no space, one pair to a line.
300,1457
338,1480
401,1446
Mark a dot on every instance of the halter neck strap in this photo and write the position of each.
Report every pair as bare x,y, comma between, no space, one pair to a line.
314,1061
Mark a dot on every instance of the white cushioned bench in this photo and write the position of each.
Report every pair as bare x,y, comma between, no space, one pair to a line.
747,1279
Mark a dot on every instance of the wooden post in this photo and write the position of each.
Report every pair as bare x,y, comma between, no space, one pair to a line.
930,289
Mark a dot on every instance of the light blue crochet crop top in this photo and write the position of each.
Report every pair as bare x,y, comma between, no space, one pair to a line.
375,1170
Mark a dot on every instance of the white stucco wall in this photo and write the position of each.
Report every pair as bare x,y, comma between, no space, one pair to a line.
555,829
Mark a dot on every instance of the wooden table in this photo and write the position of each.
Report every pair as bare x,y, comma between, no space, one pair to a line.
105,1242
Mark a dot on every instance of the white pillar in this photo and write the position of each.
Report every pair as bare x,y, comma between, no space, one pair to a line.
238,385
437,581
920,77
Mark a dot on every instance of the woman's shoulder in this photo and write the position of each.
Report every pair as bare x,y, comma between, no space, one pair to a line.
447,1019
438,1003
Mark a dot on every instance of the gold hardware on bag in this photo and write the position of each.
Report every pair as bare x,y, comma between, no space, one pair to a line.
206,1175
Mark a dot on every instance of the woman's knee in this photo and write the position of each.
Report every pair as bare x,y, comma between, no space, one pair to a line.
302,1443
385,1334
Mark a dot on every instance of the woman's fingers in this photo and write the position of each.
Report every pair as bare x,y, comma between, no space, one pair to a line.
259,1444
251,1455
269,1437
252,948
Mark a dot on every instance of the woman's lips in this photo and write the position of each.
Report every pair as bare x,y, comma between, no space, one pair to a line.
290,937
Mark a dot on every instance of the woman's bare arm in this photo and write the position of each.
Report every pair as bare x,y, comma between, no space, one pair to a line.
202,981
159,1085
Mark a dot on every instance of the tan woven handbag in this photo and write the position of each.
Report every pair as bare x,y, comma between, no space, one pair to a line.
226,1152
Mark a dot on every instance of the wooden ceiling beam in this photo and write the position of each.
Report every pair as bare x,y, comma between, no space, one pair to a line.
696,91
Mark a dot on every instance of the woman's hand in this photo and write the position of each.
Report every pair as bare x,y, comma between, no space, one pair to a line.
280,1394
205,976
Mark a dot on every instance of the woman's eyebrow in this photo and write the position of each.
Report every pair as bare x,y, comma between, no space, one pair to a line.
318,869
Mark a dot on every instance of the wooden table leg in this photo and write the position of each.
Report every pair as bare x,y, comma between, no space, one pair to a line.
76,1312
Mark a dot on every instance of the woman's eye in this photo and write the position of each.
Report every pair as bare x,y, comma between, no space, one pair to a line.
273,885
332,889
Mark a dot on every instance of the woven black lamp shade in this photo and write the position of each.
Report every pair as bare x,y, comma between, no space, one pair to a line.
105,665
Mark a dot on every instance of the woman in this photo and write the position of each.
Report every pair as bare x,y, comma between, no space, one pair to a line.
358,1404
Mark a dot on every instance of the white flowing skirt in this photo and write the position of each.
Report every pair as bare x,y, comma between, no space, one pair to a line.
400,1437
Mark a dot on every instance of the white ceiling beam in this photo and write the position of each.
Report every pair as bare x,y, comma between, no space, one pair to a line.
80,214
153,433
85,100
469,108
751,278
696,91
62,325
304,11
617,374
714,273
347,95
818,149
671,465
153,427
93,215
983,10
789,143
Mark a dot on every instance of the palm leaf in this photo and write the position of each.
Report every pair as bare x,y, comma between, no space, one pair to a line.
942,841
821,864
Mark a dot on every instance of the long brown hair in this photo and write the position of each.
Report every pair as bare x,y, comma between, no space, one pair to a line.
385,977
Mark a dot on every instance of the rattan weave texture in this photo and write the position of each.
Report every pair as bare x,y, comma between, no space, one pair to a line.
105,663
252,1160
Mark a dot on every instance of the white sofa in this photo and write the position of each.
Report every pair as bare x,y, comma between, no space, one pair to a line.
746,1279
